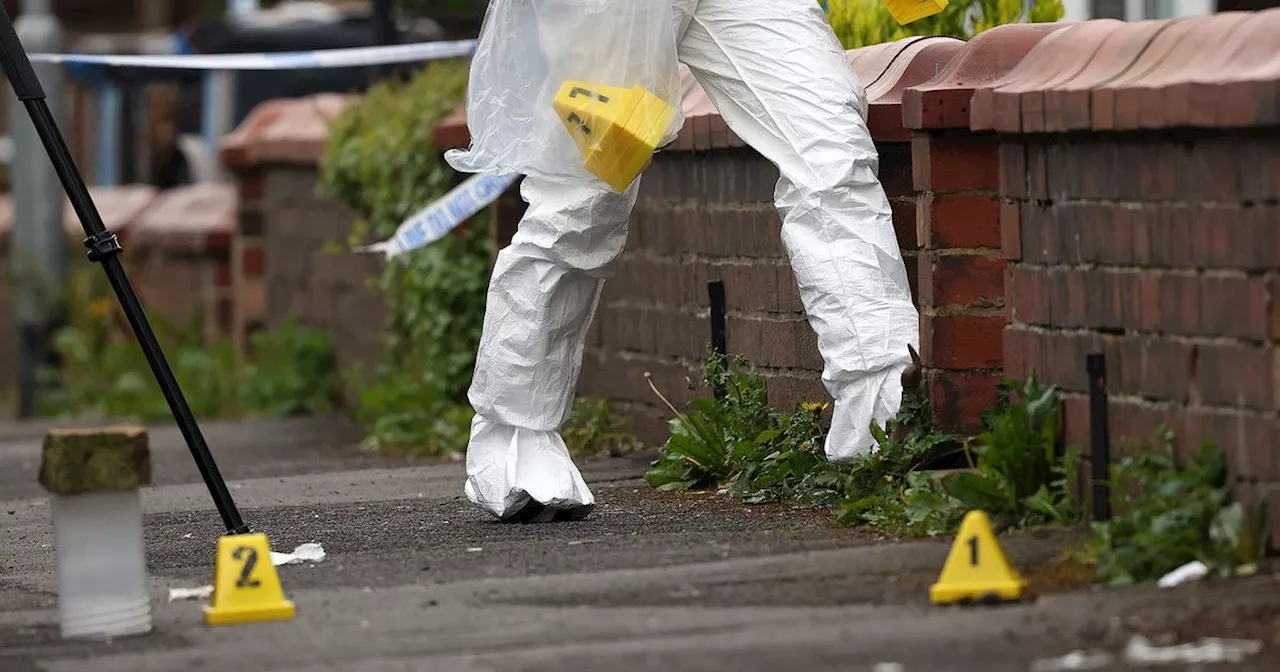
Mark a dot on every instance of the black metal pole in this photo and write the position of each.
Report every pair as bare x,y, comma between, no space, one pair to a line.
719,346
1099,439
104,247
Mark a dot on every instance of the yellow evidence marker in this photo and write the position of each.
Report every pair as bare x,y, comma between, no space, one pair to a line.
246,588
977,569
617,130
907,11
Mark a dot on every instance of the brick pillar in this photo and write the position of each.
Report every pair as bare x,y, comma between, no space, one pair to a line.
248,289
956,174
181,263
960,273
916,60
217,301
283,132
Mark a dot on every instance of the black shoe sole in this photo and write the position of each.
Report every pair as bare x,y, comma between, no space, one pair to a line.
534,511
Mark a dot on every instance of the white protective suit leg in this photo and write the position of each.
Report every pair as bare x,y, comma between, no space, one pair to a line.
542,297
780,78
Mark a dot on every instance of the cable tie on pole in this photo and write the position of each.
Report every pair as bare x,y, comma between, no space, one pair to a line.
103,245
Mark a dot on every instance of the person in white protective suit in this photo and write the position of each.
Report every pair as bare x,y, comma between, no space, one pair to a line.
780,78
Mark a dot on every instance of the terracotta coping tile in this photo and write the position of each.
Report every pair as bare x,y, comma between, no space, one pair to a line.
1102,100
918,62
1027,110
194,218
871,62
1248,95
119,208
1205,71
944,100
1066,106
1140,103
1242,92
982,107
998,106
286,130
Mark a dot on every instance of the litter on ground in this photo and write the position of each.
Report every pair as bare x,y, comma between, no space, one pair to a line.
1207,650
309,552
200,593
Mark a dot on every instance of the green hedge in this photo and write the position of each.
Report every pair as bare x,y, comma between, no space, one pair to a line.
382,162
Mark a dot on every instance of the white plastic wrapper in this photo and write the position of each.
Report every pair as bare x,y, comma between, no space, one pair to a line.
199,593
1076,660
1192,571
309,552
1141,651
526,52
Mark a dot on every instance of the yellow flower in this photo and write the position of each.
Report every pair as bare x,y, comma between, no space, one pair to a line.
814,406
100,307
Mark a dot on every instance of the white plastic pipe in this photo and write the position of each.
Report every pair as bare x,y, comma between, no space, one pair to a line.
102,572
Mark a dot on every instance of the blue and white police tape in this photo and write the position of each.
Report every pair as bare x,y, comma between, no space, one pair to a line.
285,60
434,221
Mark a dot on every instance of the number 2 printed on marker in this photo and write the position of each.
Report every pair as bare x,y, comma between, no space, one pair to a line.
246,573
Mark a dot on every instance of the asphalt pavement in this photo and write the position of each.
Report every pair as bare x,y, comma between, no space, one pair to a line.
414,579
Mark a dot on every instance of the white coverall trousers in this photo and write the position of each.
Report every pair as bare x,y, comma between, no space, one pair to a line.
781,80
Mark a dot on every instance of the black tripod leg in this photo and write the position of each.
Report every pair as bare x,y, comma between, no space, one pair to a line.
104,248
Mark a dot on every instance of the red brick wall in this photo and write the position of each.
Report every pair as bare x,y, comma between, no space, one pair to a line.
961,274
1140,220
1175,289
699,217
247,300
292,256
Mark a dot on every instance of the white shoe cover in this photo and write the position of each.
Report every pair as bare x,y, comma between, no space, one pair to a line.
508,465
